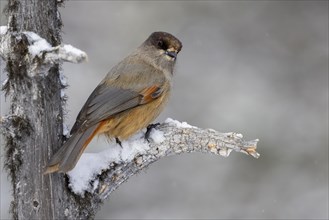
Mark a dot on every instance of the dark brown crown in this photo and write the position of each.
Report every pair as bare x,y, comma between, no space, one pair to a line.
163,40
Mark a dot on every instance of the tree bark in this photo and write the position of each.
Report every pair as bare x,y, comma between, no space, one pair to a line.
34,128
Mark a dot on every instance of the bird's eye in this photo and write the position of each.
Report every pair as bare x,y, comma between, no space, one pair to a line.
161,44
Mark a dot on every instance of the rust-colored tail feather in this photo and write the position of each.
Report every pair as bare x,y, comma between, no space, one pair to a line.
68,155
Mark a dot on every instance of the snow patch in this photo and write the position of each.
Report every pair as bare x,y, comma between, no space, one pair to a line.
70,49
73,54
178,124
157,136
92,164
4,44
3,30
225,152
95,185
38,44
66,130
89,166
63,79
66,52
134,146
62,93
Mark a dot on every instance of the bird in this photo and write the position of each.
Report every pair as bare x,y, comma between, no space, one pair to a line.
128,99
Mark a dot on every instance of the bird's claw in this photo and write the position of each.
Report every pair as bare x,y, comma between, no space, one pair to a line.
149,129
117,140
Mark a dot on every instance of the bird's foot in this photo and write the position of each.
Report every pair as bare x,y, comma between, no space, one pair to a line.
117,140
149,129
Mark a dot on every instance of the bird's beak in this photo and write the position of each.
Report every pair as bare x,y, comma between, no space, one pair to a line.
172,54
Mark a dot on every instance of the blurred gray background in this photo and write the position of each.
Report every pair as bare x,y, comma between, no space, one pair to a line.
255,67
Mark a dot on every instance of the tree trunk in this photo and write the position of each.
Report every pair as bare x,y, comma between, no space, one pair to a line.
36,119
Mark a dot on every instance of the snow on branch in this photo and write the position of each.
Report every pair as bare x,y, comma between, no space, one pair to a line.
99,174
39,49
4,41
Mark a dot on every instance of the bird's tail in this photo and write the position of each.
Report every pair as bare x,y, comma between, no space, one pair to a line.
68,155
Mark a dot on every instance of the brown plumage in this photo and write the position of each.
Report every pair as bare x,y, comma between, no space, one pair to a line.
130,97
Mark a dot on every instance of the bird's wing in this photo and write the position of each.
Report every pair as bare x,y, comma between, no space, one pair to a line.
108,99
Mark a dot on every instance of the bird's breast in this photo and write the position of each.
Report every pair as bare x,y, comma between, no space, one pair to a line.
127,123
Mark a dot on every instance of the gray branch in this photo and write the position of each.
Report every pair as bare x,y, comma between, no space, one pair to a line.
177,138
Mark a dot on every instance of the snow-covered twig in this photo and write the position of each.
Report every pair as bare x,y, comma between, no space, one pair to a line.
99,174
40,50
66,53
